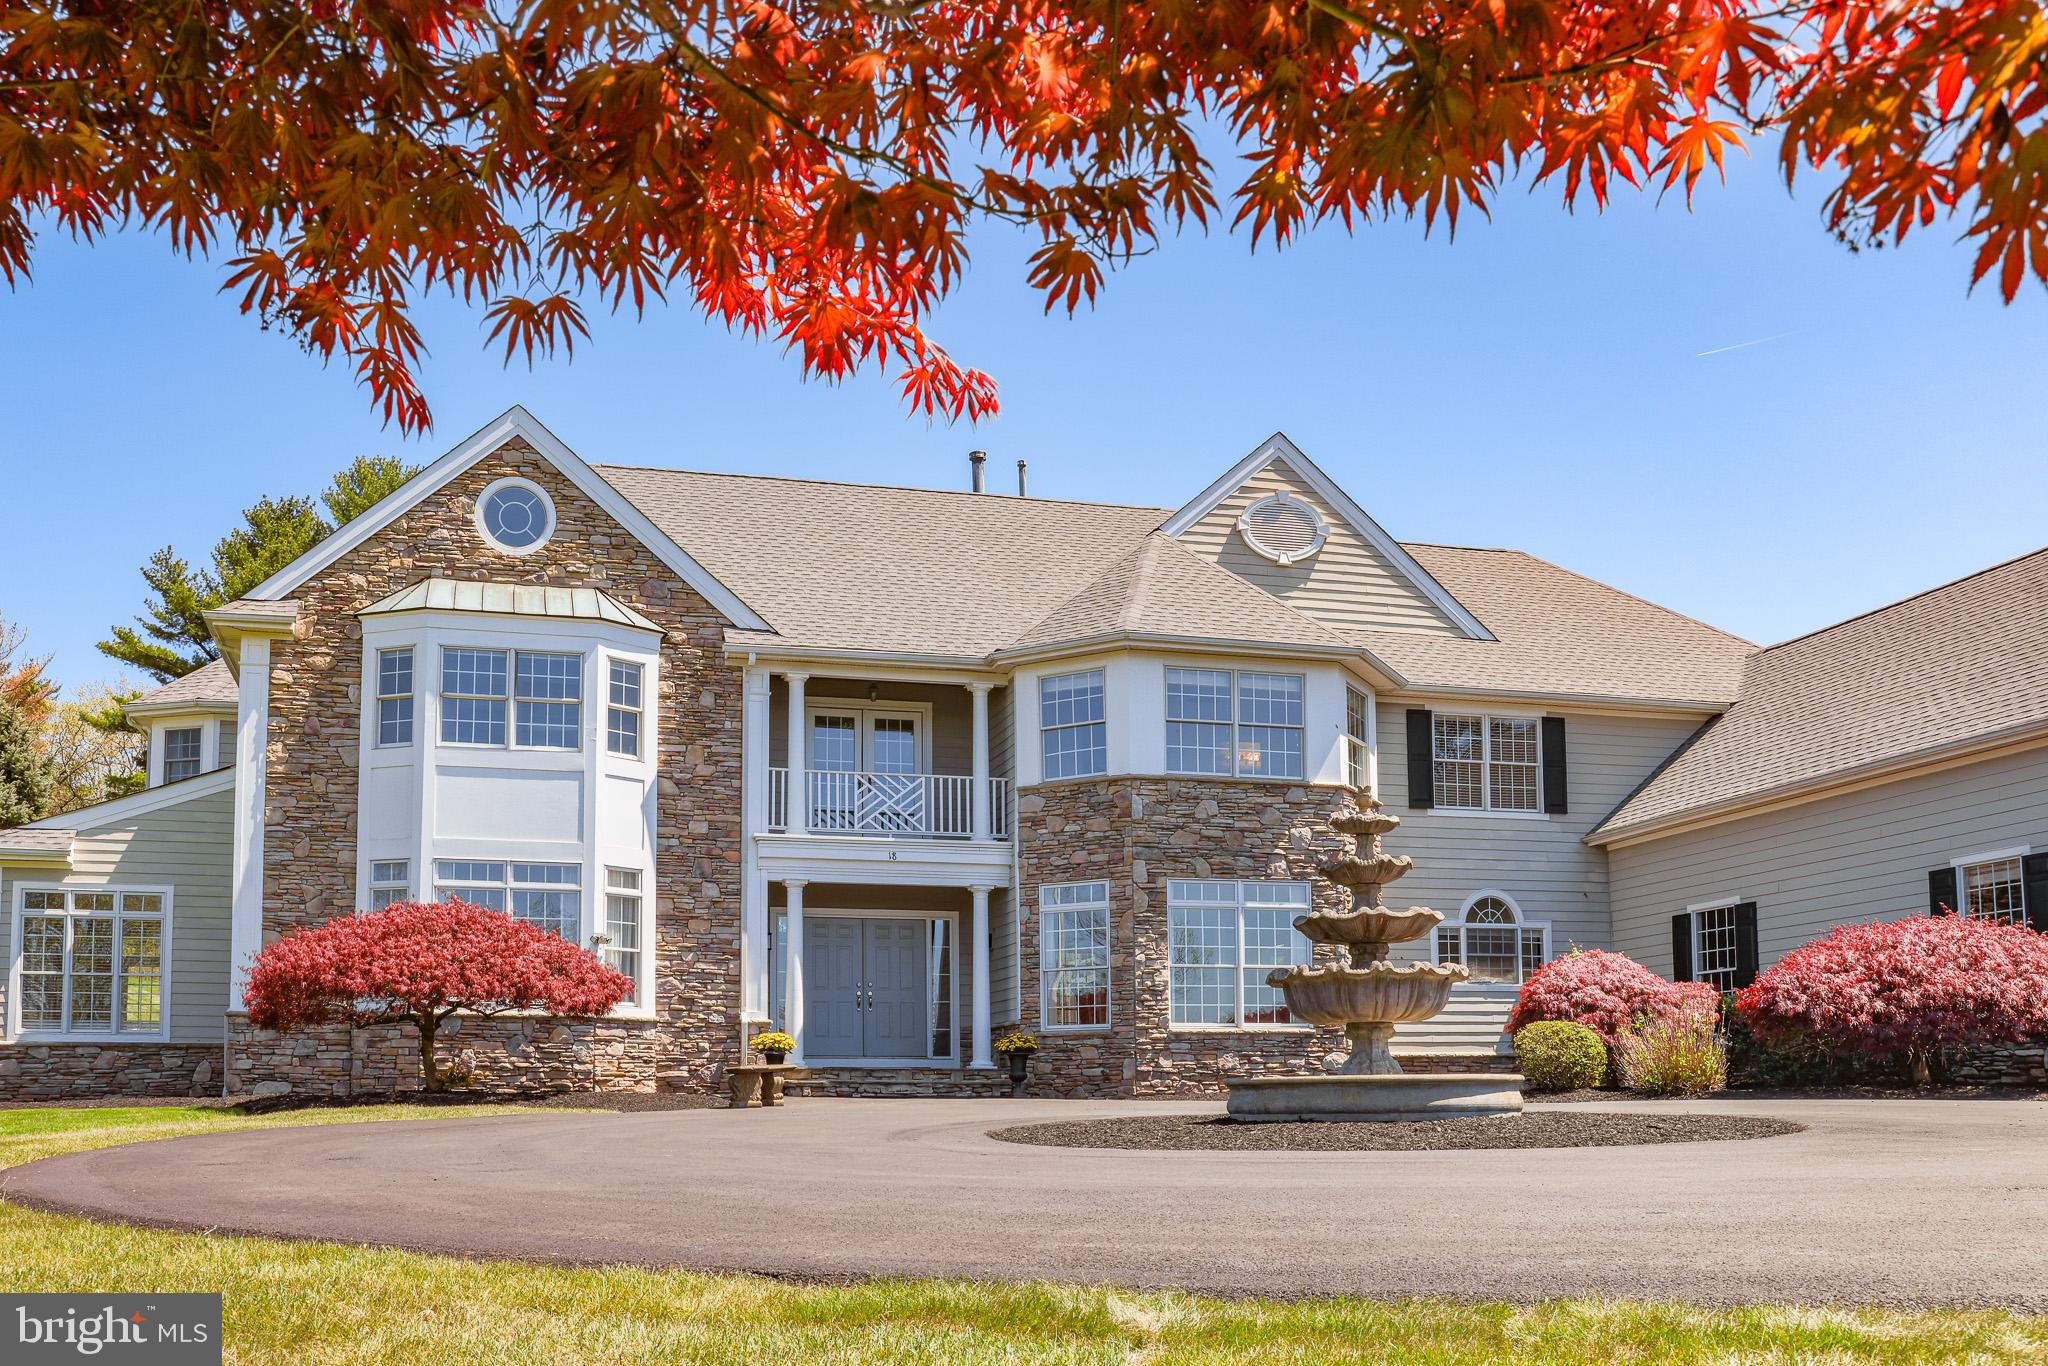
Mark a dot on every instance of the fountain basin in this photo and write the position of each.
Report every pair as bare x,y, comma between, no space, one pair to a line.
1368,925
1383,1099
1373,870
1383,993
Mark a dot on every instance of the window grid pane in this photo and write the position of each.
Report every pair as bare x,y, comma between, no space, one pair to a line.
622,924
1714,943
1074,737
549,694
1076,949
1513,769
394,697
1995,890
181,755
142,969
622,712
1458,752
473,688
42,969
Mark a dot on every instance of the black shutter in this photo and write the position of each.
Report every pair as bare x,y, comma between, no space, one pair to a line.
1745,944
2034,870
1421,758
1941,891
1681,947
1553,766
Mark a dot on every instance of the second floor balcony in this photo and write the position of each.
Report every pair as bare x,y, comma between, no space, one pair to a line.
912,805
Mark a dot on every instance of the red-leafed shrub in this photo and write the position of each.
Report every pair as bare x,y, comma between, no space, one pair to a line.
420,962
1906,989
1606,992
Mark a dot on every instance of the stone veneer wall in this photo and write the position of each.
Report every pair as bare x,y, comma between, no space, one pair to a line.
70,1071
316,712
519,1053
1136,833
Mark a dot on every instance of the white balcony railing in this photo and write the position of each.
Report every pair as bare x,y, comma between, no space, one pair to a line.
914,805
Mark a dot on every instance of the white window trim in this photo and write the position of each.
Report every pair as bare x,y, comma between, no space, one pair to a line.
515,481
378,697
1235,724
1197,1027
1367,746
403,888
613,661
511,698
1693,913
2019,852
15,1032
584,917
197,730
1523,921
1045,1024
1487,809
1044,730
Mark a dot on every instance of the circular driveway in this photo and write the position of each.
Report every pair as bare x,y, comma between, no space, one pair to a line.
1893,1201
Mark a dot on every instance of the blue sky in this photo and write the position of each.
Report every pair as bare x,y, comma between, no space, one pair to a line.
1539,382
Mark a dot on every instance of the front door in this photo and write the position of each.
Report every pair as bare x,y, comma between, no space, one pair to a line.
873,985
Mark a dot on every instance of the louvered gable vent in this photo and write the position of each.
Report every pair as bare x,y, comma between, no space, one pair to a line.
1282,528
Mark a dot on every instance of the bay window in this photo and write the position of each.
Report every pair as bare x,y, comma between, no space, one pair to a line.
394,696
1073,737
1222,940
540,692
390,882
91,961
623,710
622,923
1221,723
545,894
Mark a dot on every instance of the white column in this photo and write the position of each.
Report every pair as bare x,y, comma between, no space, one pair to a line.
979,799
754,970
984,1055
799,786
793,975
252,736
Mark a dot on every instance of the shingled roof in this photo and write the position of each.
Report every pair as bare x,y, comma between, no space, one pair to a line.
1961,664
209,685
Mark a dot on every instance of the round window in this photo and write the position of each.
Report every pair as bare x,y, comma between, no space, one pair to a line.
515,516
1283,528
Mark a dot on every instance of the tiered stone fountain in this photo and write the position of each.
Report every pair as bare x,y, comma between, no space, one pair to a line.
1368,997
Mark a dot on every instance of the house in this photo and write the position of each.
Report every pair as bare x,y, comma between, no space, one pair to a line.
898,770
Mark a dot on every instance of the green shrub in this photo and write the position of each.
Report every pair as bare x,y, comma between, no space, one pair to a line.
1557,1055
1680,1055
1787,1060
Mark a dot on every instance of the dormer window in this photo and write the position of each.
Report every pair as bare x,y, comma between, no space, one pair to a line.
1283,528
181,753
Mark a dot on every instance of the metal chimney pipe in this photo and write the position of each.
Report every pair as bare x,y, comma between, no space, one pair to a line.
1020,479
979,460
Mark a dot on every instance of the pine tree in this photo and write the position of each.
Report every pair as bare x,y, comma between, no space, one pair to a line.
170,638
24,773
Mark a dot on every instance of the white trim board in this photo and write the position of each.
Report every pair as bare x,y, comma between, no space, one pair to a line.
140,804
1278,448
514,421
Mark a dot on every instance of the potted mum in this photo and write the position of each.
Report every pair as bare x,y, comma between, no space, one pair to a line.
1017,1049
774,1045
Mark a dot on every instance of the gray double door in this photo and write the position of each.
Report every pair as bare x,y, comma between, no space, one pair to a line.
864,987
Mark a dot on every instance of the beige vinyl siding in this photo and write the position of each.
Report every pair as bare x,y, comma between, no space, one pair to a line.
1541,862
188,847
1861,856
1347,585
1003,938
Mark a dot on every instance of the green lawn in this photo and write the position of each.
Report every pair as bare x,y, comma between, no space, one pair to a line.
315,1302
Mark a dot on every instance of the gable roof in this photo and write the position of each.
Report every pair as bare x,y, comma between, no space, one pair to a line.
1560,634
1936,676
864,567
1277,448
513,422
210,687
1163,589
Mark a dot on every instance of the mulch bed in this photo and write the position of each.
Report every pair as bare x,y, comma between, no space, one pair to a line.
1208,1133
1856,1092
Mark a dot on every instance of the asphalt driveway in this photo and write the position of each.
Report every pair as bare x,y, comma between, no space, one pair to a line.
1897,1202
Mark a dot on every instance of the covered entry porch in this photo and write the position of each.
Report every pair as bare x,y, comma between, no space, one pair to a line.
886,976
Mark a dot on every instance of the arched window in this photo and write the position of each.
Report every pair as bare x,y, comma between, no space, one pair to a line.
1493,939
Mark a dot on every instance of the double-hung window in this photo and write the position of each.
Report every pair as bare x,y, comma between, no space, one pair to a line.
92,961
1486,763
533,698
1074,740
1073,938
394,696
1222,941
1716,947
623,710
1493,941
622,923
390,882
1220,723
1357,738
181,753
545,894
1993,888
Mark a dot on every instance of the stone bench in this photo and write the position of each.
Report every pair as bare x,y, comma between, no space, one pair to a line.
749,1080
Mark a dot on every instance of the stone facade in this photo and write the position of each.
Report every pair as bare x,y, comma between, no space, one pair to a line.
511,1054
70,1071
1135,834
899,1081
316,713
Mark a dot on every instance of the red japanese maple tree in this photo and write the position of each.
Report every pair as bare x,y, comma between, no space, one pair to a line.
809,169
1907,989
1609,993
418,963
